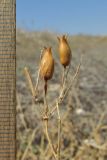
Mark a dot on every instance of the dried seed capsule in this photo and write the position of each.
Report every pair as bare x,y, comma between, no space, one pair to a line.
64,51
47,65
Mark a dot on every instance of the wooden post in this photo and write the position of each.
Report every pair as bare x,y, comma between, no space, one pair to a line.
7,80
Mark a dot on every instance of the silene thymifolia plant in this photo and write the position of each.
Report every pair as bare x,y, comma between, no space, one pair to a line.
45,72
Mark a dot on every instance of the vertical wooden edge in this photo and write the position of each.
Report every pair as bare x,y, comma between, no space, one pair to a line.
15,82
8,146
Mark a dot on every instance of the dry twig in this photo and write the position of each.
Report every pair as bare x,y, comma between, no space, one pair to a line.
31,86
48,138
62,96
59,132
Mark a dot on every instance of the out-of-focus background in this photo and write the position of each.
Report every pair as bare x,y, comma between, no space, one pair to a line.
84,110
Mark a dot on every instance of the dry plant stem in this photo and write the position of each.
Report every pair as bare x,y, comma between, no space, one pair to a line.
67,72
48,138
74,77
45,104
28,76
59,132
60,99
63,76
37,81
46,126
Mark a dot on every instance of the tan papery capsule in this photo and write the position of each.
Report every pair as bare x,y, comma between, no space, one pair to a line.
46,65
64,51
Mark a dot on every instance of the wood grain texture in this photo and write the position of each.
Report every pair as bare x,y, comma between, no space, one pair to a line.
7,79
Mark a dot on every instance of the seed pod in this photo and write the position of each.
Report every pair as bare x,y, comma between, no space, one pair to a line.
46,65
64,51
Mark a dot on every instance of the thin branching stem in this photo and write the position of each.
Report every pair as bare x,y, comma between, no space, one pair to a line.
63,76
30,82
74,77
37,80
48,138
60,98
45,103
67,71
38,75
59,132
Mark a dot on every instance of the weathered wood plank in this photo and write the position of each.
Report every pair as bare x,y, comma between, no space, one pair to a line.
7,79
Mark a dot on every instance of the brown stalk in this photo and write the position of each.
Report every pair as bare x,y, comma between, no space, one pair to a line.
74,77
37,81
29,79
62,96
45,104
63,76
59,132
48,138
45,119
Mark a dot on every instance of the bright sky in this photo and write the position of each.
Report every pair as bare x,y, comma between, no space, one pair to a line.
67,16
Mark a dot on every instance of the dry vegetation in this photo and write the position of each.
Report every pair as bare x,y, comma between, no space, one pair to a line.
83,111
